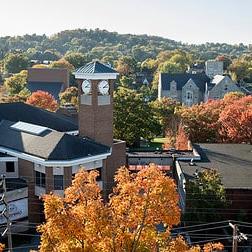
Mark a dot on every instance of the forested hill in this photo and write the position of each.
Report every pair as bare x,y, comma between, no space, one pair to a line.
101,43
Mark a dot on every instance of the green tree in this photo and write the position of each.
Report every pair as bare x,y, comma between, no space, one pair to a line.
171,67
126,65
205,195
76,59
133,117
16,83
15,62
62,63
70,95
164,110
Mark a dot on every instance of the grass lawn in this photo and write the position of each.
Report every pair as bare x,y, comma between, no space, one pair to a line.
159,140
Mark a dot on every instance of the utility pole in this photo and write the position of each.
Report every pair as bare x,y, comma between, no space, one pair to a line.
235,236
5,213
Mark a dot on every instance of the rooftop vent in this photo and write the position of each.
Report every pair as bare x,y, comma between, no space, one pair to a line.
29,128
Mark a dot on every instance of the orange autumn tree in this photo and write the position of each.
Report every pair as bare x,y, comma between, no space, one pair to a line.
81,221
236,121
42,100
181,139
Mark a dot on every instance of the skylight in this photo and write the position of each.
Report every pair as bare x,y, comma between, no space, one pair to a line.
29,128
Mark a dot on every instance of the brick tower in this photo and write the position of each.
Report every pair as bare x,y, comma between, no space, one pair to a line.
96,86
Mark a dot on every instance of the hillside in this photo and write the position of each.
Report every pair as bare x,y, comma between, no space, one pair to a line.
101,43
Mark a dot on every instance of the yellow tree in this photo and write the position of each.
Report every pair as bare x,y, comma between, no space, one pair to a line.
82,221
75,222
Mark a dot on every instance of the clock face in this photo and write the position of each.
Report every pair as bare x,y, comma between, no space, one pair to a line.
86,86
103,87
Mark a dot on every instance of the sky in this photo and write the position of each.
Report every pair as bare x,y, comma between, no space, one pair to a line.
189,21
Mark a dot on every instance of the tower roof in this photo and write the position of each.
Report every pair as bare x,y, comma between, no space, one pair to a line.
95,69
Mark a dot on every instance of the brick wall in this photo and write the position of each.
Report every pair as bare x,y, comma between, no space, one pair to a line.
49,75
35,205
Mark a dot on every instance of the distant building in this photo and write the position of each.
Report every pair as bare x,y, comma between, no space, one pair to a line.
213,67
51,80
190,89
219,86
196,68
186,88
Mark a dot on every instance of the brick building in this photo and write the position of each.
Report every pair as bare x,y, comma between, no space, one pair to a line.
47,149
234,164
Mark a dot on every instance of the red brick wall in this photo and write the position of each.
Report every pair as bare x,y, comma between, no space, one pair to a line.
35,205
240,204
115,161
96,121
49,75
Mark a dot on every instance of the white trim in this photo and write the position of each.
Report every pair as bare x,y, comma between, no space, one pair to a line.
181,186
73,132
58,170
53,162
96,76
40,168
8,159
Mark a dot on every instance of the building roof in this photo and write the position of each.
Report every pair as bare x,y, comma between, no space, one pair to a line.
49,145
95,67
53,88
232,161
181,79
217,79
19,111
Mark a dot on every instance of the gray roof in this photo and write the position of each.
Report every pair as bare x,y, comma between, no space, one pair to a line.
181,79
49,145
52,88
19,111
95,67
232,161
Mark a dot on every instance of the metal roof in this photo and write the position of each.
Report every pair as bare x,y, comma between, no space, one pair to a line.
95,67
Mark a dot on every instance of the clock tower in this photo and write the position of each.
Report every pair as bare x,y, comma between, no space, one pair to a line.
95,83
96,86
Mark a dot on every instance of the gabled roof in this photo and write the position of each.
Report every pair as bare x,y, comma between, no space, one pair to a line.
52,88
19,111
182,78
95,67
50,145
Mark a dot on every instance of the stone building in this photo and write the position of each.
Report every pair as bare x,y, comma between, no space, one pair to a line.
186,88
192,89
213,67
219,86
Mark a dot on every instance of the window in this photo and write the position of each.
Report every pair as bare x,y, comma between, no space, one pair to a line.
40,179
58,182
226,87
189,98
10,167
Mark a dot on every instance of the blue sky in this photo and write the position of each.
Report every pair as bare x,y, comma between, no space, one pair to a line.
192,21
